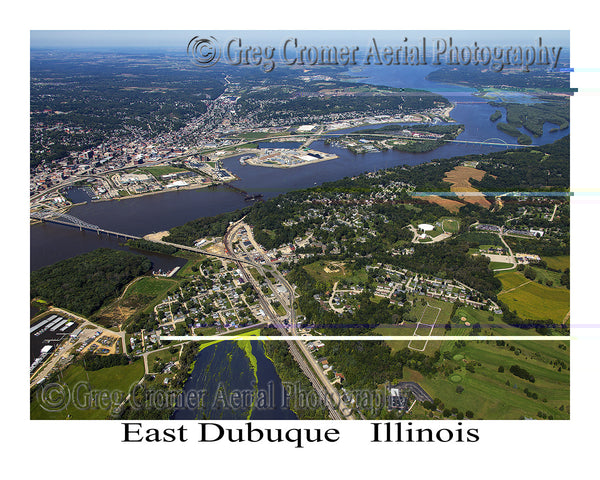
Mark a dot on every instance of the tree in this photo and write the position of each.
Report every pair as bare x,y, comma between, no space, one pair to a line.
460,389
529,273
469,414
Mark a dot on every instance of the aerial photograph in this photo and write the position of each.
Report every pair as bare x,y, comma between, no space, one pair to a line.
365,225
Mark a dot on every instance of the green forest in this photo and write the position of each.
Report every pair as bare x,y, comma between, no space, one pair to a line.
88,281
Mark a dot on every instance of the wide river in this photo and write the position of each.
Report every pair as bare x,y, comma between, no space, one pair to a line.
142,215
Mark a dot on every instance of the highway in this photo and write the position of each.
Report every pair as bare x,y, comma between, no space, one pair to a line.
338,410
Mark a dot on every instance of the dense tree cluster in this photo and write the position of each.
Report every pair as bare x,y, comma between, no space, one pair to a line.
290,373
86,282
92,362
521,373
148,246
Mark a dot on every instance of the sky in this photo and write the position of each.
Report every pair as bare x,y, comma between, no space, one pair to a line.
169,39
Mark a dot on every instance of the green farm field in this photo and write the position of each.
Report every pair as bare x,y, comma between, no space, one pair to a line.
558,263
531,300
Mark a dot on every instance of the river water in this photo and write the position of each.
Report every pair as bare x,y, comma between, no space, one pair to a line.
142,215
223,379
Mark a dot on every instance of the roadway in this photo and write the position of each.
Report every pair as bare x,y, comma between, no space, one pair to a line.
326,391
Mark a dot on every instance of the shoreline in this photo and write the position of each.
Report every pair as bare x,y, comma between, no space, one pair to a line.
310,162
157,192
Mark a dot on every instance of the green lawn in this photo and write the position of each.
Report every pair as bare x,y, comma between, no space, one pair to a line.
186,270
500,265
164,356
115,380
408,328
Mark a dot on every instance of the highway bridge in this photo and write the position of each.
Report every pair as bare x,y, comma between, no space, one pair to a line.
60,218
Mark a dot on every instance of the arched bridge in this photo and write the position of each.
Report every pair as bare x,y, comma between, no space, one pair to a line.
60,218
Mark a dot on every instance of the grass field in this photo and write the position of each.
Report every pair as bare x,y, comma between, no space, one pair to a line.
558,263
142,295
500,265
511,280
336,271
548,276
408,328
164,356
115,380
485,390
532,300
150,286
158,171
451,225
186,270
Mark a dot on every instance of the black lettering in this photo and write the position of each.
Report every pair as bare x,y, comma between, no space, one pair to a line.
331,431
203,434
473,435
128,432
376,432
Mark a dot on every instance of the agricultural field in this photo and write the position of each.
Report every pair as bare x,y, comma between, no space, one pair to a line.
452,206
113,379
459,178
558,263
531,300
491,392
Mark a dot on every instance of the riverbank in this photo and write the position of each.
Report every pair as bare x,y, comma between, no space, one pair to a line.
290,156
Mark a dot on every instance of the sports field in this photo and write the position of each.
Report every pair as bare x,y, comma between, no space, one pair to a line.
450,225
500,265
425,327
158,171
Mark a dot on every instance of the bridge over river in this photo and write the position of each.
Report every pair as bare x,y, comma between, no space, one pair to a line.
60,218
